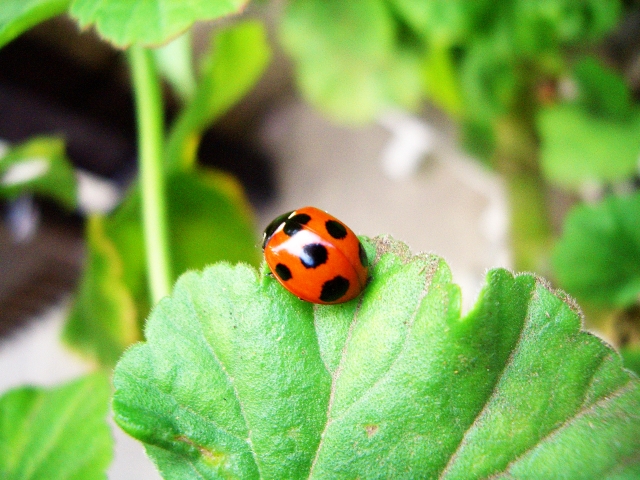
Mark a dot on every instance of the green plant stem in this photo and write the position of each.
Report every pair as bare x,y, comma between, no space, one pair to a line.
146,85
516,159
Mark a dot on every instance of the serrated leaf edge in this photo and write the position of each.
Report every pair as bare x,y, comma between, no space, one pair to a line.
618,392
567,301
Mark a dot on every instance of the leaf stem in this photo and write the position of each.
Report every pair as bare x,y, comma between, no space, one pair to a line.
517,161
146,85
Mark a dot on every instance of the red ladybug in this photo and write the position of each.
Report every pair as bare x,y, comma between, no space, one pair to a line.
315,256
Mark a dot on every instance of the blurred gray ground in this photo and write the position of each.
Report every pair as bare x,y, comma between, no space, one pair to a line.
450,207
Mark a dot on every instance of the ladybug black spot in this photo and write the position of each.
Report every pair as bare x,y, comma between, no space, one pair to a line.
301,218
334,289
363,255
283,272
295,223
313,255
336,229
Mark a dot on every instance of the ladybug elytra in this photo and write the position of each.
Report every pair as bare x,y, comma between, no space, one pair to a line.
315,256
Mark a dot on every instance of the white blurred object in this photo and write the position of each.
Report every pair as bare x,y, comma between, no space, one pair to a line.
23,218
591,190
25,171
4,148
130,461
35,356
411,141
96,195
568,88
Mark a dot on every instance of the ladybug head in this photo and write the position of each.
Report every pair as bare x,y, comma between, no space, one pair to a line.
273,226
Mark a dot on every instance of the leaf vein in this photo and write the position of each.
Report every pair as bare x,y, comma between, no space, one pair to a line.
384,375
230,308
322,357
56,429
428,281
334,377
593,378
493,393
152,386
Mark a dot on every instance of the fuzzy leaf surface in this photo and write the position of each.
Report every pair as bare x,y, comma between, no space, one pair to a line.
240,379
148,22
597,259
56,434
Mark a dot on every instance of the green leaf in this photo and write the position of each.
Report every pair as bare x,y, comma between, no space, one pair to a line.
104,319
548,25
18,16
174,62
602,91
58,433
631,357
39,166
583,22
238,378
355,68
479,139
234,63
444,22
597,259
441,79
488,80
148,22
578,147
209,221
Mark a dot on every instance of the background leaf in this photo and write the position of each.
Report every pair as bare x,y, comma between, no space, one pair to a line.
235,61
209,221
445,22
175,64
549,24
57,433
578,147
631,357
104,317
39,166
350,60
602,91
18,16
598,255
148,22
240,378
488,79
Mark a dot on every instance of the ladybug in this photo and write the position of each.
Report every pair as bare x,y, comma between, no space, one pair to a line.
315,256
